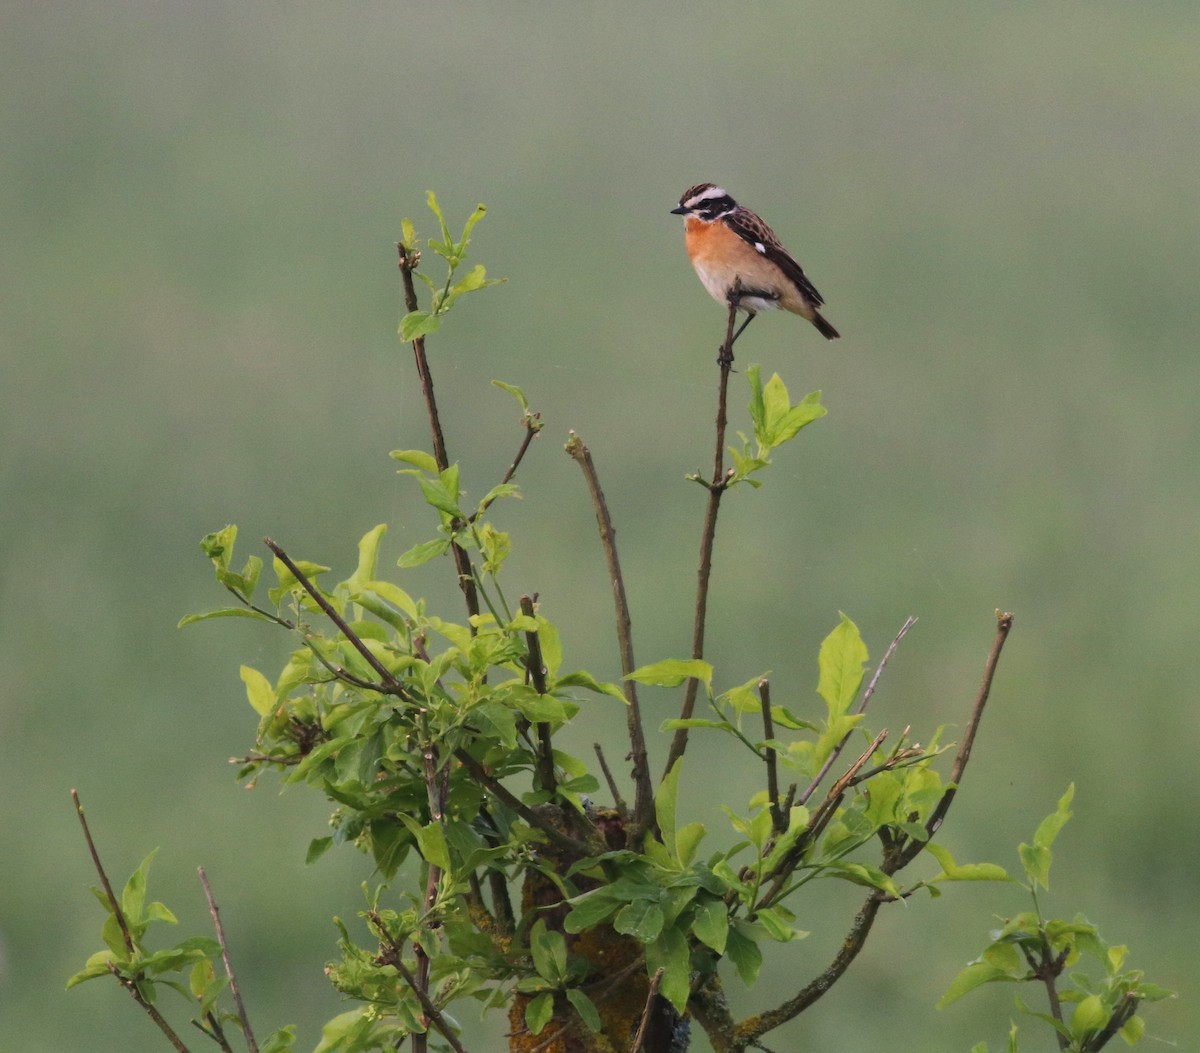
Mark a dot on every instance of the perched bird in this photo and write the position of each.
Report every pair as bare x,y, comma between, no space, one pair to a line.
728,243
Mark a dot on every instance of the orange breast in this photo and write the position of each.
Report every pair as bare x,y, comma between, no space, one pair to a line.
721,257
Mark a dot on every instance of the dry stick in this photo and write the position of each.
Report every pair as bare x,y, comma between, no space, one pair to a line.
390,684
1126,1007
716,490
1047,970
537,674
778,822
394,958
749,1030
1004,622
129,984
862,707
643,804
640,1036
462,562
510,800
233,984
108,889
618,800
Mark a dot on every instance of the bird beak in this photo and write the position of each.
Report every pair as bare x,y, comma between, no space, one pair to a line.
680,211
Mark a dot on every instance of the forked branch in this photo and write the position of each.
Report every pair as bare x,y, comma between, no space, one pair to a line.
748,1031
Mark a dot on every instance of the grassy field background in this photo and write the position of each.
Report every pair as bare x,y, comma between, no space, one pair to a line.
1000,203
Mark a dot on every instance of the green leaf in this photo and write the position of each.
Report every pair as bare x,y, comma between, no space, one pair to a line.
222,612
1049,827
841,659
744,952
394,595
952,871
590,909
582,678
695,722
1090,1015
317,847
642,919
431,841
442,493
539,1011
280,1041
418,324
549,950
258,690
687,840
515,392
368,556
670,953
96,965
133,897
711,924
585,1008
417,458
664,806
423,553
672,672
1133,1029
1036,862
974,975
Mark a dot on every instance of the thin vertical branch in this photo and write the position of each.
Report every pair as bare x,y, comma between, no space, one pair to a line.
778,821
618,800
640,1036
1004,622
909,622
409,259
716,490
233,984
108,889
129,983
537,675
643,804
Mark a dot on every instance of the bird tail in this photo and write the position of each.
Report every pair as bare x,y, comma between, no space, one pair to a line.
824,328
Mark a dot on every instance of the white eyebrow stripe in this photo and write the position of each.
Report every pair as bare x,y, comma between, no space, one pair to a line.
711,194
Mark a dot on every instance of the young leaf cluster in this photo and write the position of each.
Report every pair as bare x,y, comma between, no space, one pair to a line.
1054,954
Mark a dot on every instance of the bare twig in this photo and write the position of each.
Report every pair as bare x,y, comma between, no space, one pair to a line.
393,956
778,820
1047,968
716,490
409,260
390,684
108,889
537,675
510,800
617,799
640,1036
1125,1008
533,425
1004,622
816,824
643,804
749,1030
233,984
129,983
861,708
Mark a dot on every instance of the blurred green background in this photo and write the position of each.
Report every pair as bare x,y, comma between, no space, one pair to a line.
999,201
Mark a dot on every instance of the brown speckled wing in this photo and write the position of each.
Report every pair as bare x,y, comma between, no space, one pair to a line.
749,227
